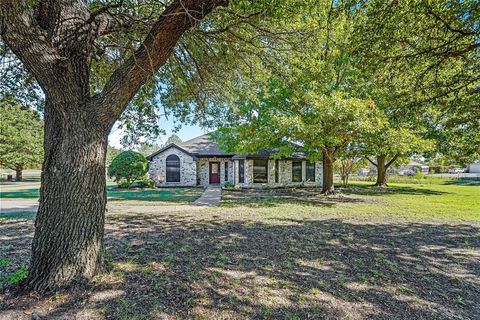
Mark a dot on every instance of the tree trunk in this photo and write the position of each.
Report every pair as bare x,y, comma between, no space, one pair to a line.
68,241
328,187
381,171
18,174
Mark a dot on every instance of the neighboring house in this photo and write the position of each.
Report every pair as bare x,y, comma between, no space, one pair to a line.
200,162
411,167
474,167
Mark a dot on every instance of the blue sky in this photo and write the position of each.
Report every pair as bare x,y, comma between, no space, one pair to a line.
186,132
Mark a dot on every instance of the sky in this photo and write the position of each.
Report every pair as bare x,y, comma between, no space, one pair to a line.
186,132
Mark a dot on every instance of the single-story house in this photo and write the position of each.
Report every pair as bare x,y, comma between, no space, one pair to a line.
200,162
474,167
411,167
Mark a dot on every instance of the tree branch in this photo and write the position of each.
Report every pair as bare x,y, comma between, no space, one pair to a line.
157,47
375,164
389,163
29,42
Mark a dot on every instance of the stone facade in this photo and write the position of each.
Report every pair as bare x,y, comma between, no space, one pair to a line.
188,169
284,175
195,171
203,173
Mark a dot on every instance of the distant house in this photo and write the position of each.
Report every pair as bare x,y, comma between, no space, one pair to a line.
474,167
411,167
200,162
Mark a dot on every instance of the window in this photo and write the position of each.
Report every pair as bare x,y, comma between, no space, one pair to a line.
310,171
226,171
276,171
173,168
241,171
260,171
297,171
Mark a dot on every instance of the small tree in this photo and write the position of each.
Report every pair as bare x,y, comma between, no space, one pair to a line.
348,160
21,139
127,167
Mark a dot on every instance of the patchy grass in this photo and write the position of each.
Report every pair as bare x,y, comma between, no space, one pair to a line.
360,255
176,195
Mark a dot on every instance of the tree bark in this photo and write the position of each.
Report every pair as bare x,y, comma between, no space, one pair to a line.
381,172
68,241
18,174
55,44
328,187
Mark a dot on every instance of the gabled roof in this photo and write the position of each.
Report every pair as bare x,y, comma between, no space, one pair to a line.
203,146
171,145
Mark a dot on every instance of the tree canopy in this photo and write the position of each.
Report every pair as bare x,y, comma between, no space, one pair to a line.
21,139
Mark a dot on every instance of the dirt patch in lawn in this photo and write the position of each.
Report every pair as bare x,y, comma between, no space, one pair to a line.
205,265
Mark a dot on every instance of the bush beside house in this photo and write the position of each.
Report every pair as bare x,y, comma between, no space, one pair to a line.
129,167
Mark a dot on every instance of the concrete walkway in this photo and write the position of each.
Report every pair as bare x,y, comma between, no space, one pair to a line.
18,205
210,197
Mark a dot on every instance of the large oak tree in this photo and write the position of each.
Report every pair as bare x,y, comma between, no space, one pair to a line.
91,58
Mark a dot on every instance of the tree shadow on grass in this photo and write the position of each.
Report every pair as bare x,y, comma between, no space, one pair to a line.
274,197
180,266
186,195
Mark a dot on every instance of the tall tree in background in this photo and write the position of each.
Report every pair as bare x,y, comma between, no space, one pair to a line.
21,139
92,60
173,139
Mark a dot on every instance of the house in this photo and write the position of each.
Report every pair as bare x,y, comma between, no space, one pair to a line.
474,167
411,167
200,162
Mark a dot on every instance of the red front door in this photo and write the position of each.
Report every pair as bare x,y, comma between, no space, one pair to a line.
214,172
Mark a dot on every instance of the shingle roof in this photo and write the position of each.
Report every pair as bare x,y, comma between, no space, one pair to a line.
203,146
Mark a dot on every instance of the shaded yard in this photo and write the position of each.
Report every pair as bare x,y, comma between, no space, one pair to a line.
342,257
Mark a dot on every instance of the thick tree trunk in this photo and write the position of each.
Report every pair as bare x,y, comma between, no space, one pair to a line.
381,171
68,241
328,187
18,173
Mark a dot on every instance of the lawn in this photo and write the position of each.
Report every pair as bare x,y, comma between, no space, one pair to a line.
407,252
30,190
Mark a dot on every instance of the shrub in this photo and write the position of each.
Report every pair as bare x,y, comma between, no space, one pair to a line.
150,184
146,183
127,167
228,184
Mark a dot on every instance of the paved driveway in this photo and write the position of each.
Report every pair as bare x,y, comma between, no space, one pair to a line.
18,205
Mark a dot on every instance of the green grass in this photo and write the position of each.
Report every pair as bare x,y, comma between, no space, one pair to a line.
412,202
169,195
178,195
422,179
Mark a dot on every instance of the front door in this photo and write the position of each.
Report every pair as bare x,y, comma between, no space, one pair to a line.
214,172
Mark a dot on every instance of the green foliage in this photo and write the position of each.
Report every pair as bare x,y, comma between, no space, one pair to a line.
111,154
127,167
147,149
396,142
21,139
173,139
146,183
425,55
17,276
228,184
